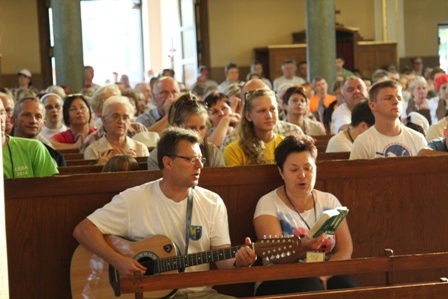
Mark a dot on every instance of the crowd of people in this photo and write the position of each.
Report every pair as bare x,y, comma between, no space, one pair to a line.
181,130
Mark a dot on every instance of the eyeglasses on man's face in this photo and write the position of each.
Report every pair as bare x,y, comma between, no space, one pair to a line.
192,160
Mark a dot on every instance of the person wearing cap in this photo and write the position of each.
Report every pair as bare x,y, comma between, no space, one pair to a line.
388,137
441,100
24,78
24,86
417,122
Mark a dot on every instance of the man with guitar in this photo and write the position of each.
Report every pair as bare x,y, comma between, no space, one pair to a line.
193,218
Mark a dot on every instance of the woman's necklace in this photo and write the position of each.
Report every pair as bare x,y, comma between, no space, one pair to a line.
349,135
314,205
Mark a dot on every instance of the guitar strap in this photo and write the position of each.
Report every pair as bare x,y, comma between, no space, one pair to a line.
189,212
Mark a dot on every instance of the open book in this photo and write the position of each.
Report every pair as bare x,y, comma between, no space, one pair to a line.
328,222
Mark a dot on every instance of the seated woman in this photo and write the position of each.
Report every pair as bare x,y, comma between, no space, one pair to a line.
222,117
296,105
116,118
187,112
77,114
418,102
293,209
121,163
53,115
256,138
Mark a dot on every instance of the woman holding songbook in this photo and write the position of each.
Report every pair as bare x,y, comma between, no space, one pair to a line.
293,209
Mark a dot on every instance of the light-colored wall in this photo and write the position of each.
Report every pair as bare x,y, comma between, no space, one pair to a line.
19,41
421,19
237,27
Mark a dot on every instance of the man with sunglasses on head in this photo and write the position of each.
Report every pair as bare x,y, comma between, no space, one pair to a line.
194,218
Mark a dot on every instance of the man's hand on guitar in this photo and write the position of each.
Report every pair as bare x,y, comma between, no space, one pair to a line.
245,256
128,266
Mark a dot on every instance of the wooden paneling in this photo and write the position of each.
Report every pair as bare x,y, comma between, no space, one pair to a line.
397,203
368,56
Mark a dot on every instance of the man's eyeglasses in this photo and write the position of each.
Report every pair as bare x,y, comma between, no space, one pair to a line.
192,160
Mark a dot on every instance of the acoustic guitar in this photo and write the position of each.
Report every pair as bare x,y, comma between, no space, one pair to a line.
92,277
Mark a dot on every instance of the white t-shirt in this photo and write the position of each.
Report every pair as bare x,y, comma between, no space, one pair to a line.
291,223
48,133
339,143
372,144
144,211
341,116
282,80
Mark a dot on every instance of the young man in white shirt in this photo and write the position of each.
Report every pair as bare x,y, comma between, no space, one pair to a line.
388,137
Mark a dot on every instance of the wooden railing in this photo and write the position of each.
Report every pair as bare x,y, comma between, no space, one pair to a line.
387,265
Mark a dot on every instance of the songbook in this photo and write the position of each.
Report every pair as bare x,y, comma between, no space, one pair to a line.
328,222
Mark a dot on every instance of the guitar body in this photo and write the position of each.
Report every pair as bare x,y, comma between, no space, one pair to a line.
91,277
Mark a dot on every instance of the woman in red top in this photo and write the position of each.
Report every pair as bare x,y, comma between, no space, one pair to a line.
77,115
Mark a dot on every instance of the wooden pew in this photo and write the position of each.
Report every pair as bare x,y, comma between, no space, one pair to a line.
388,265
397,203
88,168
78,169
78,162
73,156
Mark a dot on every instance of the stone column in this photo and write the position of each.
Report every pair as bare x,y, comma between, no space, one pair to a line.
68,53
321,39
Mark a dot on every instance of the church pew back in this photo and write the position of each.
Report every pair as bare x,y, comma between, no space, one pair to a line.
397,203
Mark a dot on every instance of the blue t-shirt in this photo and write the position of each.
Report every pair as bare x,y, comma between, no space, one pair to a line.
438,144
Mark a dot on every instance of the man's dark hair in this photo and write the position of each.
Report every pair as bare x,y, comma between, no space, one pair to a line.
230,66
294,144
168,143
362,113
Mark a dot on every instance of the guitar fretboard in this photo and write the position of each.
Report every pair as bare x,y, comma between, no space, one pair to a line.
180,262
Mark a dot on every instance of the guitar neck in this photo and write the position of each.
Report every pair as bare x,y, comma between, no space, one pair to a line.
193,259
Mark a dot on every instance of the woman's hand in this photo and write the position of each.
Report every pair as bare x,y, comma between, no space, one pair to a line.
312,244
